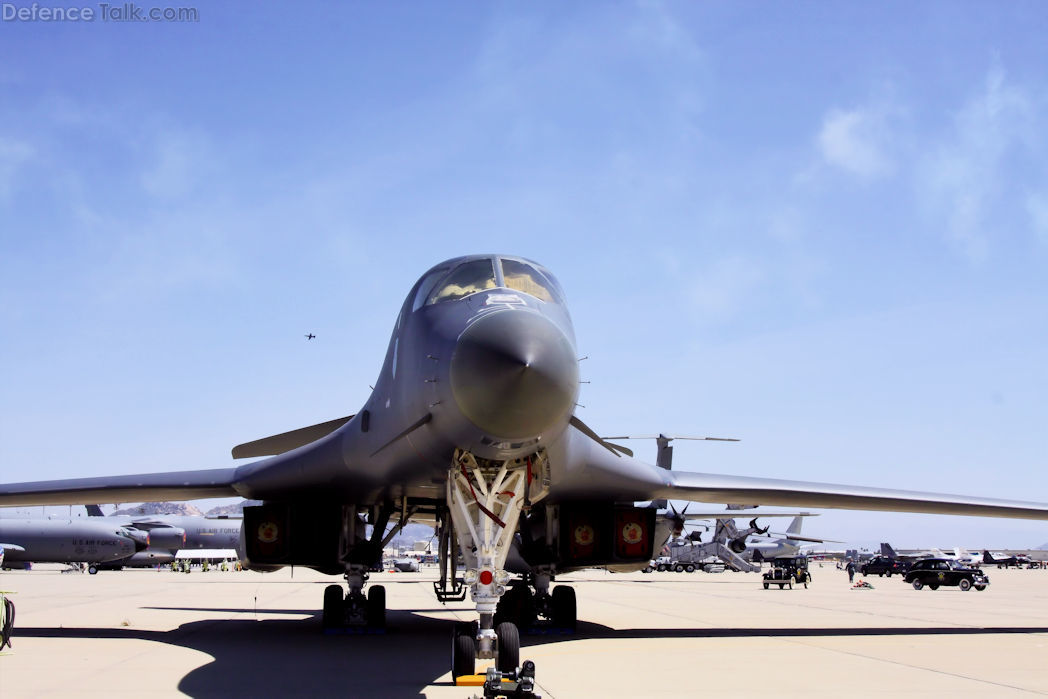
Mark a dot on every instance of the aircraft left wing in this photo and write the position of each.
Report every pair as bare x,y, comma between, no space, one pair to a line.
174,485
708,487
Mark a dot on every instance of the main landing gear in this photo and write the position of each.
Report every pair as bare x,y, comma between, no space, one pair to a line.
352,612
541,611
485,500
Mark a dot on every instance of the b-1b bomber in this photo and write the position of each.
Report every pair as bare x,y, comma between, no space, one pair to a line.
471,428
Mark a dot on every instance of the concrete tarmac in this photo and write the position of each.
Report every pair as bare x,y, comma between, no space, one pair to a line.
250,634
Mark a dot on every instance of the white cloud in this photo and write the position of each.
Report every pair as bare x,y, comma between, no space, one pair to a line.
965,174
179,163
724,287
856,141
1037,208
13,155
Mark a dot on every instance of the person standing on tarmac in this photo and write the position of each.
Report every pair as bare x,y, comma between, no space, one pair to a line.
851,570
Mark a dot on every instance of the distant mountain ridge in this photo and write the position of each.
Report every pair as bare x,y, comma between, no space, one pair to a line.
161,508
237,508
185,509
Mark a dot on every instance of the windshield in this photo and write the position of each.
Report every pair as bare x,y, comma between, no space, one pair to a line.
523,277
466,279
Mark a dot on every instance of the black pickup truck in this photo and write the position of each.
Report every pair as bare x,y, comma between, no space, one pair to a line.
934,572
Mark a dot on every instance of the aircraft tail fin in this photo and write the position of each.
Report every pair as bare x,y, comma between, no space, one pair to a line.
795,526
987,558
887,550
94,511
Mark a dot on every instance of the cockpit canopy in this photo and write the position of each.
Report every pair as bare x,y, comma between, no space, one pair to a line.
479,274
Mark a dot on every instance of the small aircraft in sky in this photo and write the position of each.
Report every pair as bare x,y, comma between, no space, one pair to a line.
471,428
310,336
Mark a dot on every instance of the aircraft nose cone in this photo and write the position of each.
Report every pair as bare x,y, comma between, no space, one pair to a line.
514,374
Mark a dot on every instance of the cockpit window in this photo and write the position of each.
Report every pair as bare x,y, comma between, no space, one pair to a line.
466,279
523,277
427,286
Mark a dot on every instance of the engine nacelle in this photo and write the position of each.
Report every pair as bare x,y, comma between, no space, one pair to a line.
275,535
589,535
168,538
738,545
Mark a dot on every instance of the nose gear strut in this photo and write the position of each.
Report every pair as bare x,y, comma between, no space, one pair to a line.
485,499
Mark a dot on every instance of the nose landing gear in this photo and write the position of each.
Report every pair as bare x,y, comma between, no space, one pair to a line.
485,500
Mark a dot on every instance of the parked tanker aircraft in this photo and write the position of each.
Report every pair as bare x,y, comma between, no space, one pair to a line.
67,541
169,534
471,428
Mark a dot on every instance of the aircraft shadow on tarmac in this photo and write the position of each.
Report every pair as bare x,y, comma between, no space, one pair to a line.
291,657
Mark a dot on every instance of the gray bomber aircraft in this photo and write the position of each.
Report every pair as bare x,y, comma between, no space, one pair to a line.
471,428
67,541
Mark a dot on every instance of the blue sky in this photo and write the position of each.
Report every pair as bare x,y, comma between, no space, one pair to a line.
821,228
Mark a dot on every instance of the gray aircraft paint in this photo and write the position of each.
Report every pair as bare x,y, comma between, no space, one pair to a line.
65,541
481,367
169,534
455,364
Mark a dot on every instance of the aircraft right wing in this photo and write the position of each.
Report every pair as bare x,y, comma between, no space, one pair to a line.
174,485
709,487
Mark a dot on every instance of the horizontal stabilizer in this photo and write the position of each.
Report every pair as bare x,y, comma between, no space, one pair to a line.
708,487
731,514
585,429
798,537
286,441
671,437
175,485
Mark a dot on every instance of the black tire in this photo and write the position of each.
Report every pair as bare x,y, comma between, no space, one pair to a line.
662,568
509,647
690,568
933,586
9,623
377,607
980,588
92,570
647,569
918,585
565,609
863,570
463,655
765,586
965,584
782,585
889,573
333,604
678,568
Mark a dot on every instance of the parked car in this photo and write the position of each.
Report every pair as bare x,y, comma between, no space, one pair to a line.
786,571
934,572
885,565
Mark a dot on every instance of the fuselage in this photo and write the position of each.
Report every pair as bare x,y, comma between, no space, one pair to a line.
66,541
482,358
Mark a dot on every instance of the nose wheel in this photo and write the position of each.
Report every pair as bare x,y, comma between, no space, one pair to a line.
464,648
